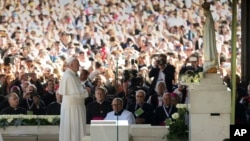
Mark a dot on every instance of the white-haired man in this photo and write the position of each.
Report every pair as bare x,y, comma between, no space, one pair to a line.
13,108
73,112
143,112
120,113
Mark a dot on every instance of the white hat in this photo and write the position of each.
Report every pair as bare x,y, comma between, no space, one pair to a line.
70,60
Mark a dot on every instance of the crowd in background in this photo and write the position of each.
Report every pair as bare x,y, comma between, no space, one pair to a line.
118,43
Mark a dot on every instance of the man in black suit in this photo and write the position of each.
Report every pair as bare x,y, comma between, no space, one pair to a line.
162,71
98,109
49,96
13,108
86,83
143,112
191,64
165,111
54,108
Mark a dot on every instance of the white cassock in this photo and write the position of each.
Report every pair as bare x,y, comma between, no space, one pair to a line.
73,112
125,115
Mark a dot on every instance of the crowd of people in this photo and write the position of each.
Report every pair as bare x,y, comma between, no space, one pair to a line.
127,49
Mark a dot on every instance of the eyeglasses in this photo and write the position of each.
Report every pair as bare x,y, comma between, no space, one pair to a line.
116,104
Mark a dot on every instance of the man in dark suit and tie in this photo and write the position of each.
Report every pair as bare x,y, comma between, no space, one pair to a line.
165,111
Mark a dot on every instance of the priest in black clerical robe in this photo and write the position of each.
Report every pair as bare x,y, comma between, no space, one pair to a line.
98,109
165,111
13,108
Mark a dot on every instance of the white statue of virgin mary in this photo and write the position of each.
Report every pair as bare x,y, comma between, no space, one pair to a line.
209,42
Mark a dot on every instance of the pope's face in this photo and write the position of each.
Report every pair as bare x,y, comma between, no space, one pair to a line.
75,65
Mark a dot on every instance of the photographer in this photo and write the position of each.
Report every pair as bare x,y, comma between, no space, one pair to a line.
191,64
162,71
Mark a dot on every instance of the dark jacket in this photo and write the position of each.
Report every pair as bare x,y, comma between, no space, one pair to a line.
160,115
169,72
147,114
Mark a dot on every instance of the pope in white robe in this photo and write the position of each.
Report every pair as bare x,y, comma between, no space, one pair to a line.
73,112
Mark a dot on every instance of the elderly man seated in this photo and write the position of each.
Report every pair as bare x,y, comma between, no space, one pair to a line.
120,113
164,112
143,112
13,107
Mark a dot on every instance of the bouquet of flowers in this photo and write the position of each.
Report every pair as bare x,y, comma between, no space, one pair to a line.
178,128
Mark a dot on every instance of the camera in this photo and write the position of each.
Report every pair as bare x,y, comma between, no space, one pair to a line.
159,62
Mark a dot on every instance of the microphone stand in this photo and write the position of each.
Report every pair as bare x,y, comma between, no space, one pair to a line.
117,127
116,87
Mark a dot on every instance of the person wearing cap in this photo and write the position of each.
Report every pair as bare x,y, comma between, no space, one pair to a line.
73,112
98,109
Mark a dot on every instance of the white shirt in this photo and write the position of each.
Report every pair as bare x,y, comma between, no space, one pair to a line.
126,115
